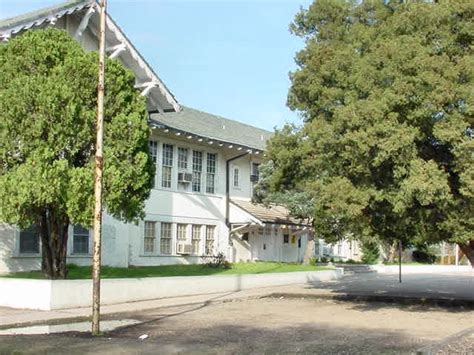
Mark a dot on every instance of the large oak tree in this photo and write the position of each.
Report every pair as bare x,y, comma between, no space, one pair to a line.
48,99
386,149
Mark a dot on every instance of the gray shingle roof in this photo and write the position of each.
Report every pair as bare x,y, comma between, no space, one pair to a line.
43,13
214,127
274,214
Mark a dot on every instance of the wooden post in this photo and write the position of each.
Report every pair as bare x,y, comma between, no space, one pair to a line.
99,165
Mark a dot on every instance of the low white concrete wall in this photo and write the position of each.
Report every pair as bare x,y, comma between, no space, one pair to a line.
23,293
421,269
60,294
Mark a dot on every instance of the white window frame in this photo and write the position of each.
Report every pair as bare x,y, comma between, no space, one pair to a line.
210,239
153,148
151,237
211,173
183,157
254,171
74,234
197,171
18,251
168,237
236,177
196,238
167,166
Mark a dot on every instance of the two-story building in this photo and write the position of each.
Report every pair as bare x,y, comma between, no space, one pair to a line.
206,167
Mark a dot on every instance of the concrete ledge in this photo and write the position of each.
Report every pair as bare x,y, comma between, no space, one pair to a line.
421,269
62,294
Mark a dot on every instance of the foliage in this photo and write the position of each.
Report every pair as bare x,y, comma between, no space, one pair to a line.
385,151
423,256
84,272
217,261
370,252
48,90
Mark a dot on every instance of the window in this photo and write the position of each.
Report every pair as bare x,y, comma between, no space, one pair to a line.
29,241
255,170
268,230
80,242
245,236
181,232
165,238
149,240
182,158
286,238
197,169
210,239
339,249
153,147
167,165
196,238
236,177
211,173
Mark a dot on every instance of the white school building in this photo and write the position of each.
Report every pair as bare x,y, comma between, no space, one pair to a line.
206,167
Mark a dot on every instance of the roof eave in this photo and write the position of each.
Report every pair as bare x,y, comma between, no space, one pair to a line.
159,125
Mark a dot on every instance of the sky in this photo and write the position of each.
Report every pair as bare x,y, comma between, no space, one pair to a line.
226,57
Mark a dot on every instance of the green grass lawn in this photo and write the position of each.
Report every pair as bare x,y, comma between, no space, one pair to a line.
84,272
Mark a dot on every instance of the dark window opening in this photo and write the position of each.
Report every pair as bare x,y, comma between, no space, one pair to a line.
286,238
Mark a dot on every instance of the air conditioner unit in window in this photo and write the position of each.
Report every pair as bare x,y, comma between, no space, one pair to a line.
184,249
185,178
253,178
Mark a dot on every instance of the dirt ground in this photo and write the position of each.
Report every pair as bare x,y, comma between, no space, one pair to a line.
264,326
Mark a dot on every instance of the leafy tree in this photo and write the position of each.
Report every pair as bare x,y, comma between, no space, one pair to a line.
386,148
370,252
48,90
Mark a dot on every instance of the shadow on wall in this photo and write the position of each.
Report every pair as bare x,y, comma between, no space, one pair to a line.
8,261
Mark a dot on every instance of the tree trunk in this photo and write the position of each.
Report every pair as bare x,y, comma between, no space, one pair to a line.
468,250
309,250
389,251
54,237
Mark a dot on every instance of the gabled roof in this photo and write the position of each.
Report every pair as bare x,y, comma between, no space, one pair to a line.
272,214
146,78
37,18
213,127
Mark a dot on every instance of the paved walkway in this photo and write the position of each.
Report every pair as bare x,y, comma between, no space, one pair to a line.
458,286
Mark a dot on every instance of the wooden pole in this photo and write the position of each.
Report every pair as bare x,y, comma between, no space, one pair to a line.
99,165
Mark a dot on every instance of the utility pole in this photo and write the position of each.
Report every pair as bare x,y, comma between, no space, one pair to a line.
99,165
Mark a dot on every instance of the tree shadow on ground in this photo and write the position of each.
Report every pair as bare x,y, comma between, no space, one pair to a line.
421,292
221,338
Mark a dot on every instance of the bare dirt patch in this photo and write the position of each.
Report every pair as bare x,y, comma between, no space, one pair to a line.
265,326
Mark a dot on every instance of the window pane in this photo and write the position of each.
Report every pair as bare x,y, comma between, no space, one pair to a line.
29,240
197,169
149,240
80,243
210,239
211,173
166,176
182,158
196,238
167,165
165,238
255,170
153,146
236,177
181,232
